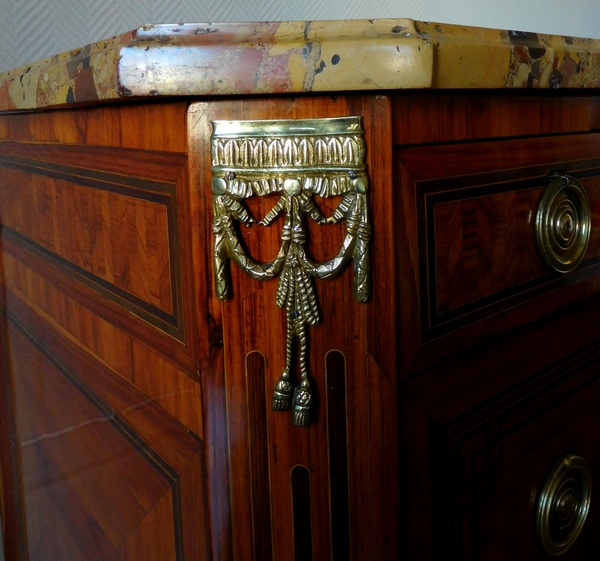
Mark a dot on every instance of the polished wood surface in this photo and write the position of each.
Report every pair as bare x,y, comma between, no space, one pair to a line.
428,117
142,126
483,431
94,225
135,416
498,354
130,229
485,245
111,408
254,449
472,252
101,394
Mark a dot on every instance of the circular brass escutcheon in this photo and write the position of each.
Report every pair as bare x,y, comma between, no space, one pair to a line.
562,223
563,504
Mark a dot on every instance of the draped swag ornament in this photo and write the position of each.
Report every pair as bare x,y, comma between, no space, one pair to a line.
297,158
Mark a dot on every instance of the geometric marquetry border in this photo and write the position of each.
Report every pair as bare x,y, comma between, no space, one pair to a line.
153,191
430,193
156,462
475,441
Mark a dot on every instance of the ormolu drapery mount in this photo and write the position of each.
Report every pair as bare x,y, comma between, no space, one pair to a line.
299,159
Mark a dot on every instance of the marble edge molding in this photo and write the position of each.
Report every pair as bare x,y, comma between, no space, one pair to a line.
289,57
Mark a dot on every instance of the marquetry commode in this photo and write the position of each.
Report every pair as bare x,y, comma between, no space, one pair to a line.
307,290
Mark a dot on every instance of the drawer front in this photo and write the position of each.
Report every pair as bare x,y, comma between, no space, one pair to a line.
472,259
476,477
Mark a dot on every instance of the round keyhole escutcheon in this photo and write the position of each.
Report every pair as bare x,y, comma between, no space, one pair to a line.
563,223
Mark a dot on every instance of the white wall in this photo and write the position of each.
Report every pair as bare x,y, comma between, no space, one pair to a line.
32,29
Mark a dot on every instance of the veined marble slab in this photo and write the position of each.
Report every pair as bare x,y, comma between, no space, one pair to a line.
313,56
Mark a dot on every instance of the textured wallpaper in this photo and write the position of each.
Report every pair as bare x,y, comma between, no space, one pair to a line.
33,29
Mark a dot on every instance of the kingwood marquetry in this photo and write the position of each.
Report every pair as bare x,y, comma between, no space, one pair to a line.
398,261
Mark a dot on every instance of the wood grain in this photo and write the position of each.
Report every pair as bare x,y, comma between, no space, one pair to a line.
137,152
146,126
164,409
13,538
468,213
445,161
485,245
110,446
120,239
480,446
250,322
112,346
432,117
62,453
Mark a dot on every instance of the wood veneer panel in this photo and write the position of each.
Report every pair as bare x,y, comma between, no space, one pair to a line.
140,149
485,245
250,321
479,448
168,386
142,542
109,311
429,117
75,466
90,162
158,441
158,126
157,378
106,342
120,239
445,161
13,525
119,233
468,214
13,543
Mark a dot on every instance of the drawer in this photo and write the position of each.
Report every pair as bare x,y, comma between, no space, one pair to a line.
479,450
471,268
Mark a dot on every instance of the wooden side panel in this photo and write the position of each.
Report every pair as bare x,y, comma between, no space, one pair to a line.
102,470
11,493
119,239
104,458
113,226
97,236
76,466
148,127
264,444
108,343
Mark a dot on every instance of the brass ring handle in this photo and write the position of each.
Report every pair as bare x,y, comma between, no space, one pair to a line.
563,504
563,223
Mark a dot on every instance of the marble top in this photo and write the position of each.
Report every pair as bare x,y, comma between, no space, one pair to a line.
313,56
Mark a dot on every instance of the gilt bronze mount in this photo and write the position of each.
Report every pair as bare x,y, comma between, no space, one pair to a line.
298,159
